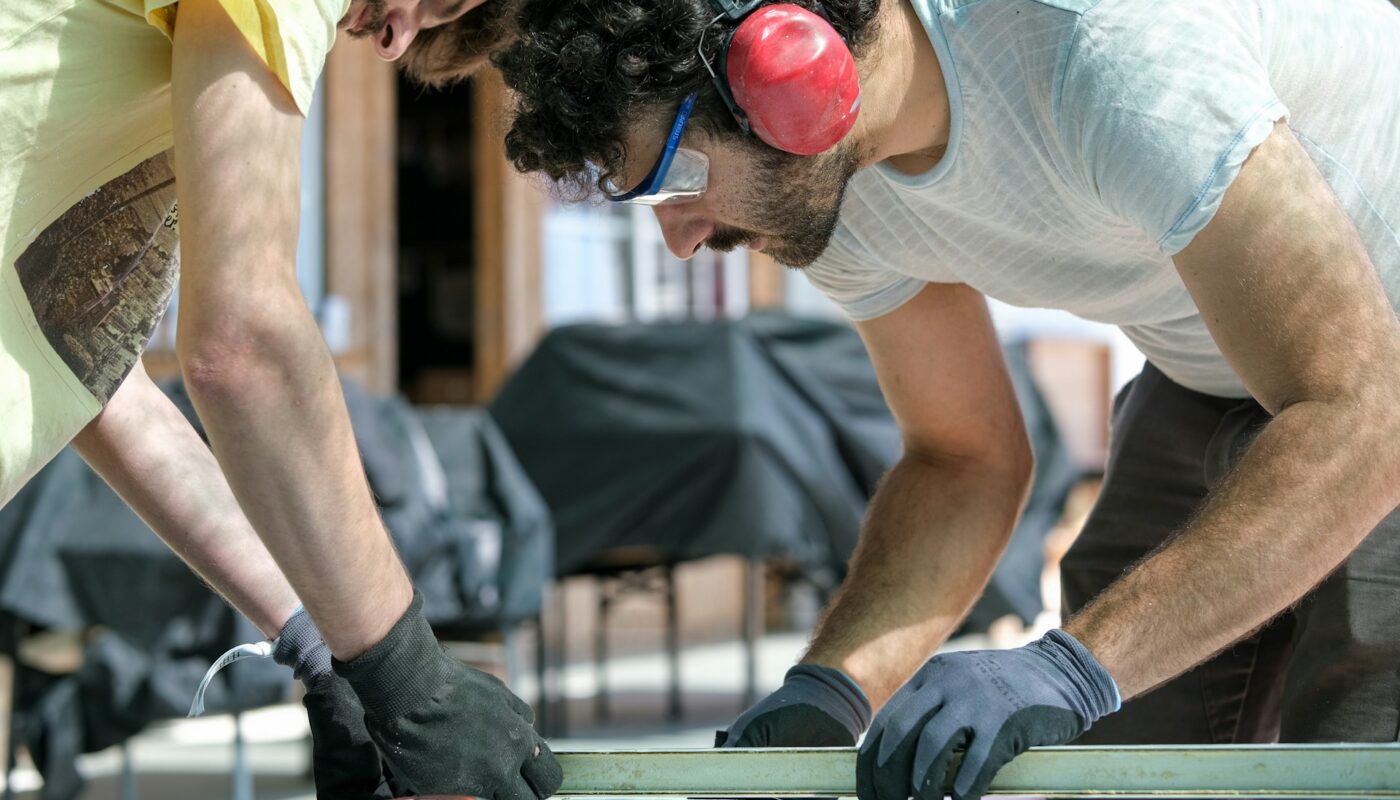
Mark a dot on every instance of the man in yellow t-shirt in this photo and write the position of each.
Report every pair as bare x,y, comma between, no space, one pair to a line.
113,111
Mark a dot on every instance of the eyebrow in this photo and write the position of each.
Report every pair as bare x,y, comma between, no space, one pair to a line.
453,8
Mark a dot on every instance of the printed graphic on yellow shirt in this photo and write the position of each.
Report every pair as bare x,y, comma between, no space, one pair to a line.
100,276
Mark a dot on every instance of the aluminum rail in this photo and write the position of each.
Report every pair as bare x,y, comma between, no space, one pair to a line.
1256,771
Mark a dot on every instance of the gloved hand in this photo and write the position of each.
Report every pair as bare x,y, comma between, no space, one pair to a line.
815,707
444,728
344,761
994,703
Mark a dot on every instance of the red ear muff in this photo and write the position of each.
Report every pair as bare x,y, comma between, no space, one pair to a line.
794,78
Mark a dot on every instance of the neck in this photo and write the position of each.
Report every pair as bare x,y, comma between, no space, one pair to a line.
904,106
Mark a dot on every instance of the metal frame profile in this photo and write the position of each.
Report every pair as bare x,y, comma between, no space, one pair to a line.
1272,771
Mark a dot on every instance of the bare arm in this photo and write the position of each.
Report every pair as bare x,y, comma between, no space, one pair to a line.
1294,302
943,515
259,373
147,452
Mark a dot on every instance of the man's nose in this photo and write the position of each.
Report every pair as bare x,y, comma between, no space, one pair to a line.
684,227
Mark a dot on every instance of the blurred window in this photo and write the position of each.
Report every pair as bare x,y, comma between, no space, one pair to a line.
609,263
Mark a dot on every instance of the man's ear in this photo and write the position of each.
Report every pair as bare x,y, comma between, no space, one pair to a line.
400,28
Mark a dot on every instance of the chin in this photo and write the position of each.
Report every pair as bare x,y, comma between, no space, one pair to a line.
796,257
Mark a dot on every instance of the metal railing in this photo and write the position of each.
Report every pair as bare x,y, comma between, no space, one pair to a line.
1271,771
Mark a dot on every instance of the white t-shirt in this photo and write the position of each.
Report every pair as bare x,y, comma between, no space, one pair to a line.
1090,141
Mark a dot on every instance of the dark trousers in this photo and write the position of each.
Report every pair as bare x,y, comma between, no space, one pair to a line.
1326,670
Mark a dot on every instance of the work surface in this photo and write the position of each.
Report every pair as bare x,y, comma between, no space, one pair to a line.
1275,771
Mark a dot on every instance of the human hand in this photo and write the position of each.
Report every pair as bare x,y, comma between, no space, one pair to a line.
815,707
444,728
994,703
345,763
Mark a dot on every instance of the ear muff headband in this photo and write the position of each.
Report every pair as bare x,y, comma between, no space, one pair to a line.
786,76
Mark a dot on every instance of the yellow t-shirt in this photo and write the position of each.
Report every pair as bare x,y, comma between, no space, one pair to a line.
87,217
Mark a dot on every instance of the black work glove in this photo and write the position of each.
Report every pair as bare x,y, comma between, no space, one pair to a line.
815,707
344,761
444,728
994,703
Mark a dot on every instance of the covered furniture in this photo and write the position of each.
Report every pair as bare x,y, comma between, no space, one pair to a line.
655,444
476,538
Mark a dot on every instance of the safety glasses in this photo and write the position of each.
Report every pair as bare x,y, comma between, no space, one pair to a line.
679,175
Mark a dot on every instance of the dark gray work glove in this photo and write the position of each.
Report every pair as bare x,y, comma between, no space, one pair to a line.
815,707
344,761
994,703
444,728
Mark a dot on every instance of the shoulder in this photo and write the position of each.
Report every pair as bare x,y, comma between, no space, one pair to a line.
292,37
1128,47
1006,51
1159,104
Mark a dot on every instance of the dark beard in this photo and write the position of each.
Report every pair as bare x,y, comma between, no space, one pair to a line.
800,203
727,239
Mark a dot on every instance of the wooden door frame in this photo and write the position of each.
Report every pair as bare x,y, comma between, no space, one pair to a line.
508,247
362,233
362,208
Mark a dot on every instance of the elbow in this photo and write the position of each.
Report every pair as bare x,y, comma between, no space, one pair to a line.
1385,404
1025,472
1351,435
1019,467
1369,411
1015,466
240,360
1004,465
1389,441
1016,458
1366,443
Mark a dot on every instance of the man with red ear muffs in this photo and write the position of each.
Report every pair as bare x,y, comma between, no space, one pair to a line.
1220,180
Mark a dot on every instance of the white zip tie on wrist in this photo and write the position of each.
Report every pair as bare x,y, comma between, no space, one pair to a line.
261,649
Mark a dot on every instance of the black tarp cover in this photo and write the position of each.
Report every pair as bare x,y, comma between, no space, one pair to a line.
679,437
760,437
473,532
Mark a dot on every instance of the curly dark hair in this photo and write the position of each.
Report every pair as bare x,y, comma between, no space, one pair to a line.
583,70
449,53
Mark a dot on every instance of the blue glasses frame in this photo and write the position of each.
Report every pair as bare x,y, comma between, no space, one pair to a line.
655,179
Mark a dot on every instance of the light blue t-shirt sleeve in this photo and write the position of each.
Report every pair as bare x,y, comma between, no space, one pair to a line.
861,287
1160,105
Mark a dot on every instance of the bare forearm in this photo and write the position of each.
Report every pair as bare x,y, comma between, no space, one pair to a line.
147,452
932,537
279,427
256,367
1314,483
